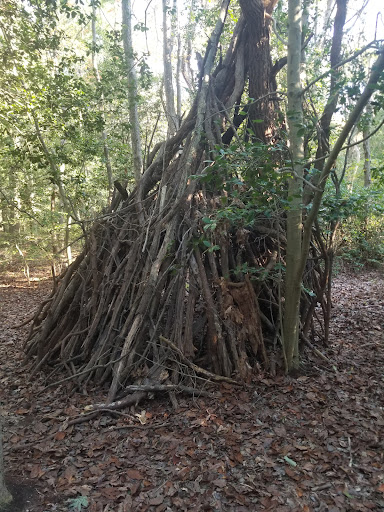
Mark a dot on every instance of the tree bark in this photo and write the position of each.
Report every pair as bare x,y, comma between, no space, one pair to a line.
5,495
294,214
367,149
262,80
104,136
132,89
168,43
324,127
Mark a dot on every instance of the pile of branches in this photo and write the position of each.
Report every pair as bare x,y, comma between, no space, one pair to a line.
155,296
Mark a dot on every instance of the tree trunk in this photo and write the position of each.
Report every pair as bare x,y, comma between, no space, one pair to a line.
294,213
104,137
168,44
324,127
132,89
67,237
178,79
262,81
367,148
5,495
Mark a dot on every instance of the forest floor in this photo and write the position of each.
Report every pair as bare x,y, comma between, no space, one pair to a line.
311,443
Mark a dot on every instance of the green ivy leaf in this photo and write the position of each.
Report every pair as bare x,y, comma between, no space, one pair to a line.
77,504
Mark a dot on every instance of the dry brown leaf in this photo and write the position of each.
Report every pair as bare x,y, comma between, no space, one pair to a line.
157,501
134,474
36,471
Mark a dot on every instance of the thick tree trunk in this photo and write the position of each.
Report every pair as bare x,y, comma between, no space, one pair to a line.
262,82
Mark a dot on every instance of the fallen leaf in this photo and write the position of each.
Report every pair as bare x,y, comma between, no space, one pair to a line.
239,457
142,417
291,473
301,448
36,472
157,501
220,482
134,474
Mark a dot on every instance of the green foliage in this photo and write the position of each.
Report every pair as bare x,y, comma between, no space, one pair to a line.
48,95
78,504
361,214
363,241
251,186
249,191
42,84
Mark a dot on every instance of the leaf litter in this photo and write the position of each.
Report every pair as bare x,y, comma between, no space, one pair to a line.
312,443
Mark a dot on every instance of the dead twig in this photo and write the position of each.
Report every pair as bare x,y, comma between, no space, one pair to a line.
29,319
322,487
141,427
198,369
315,350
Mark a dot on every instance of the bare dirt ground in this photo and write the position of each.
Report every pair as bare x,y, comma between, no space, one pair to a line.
313,443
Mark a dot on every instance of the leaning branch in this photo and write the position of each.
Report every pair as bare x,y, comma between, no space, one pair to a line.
342,63
376,72
347,146
14,205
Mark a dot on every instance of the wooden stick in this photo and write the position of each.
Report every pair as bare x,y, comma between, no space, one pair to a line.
315,350
198,369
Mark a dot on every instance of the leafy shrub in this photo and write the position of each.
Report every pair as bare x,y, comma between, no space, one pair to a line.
361,236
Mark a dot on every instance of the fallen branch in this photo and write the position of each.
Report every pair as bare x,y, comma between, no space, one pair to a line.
370,345
137,425
322,487
198,369
315,350
146,388
29,319
171,387
35,315
140,392
79,374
